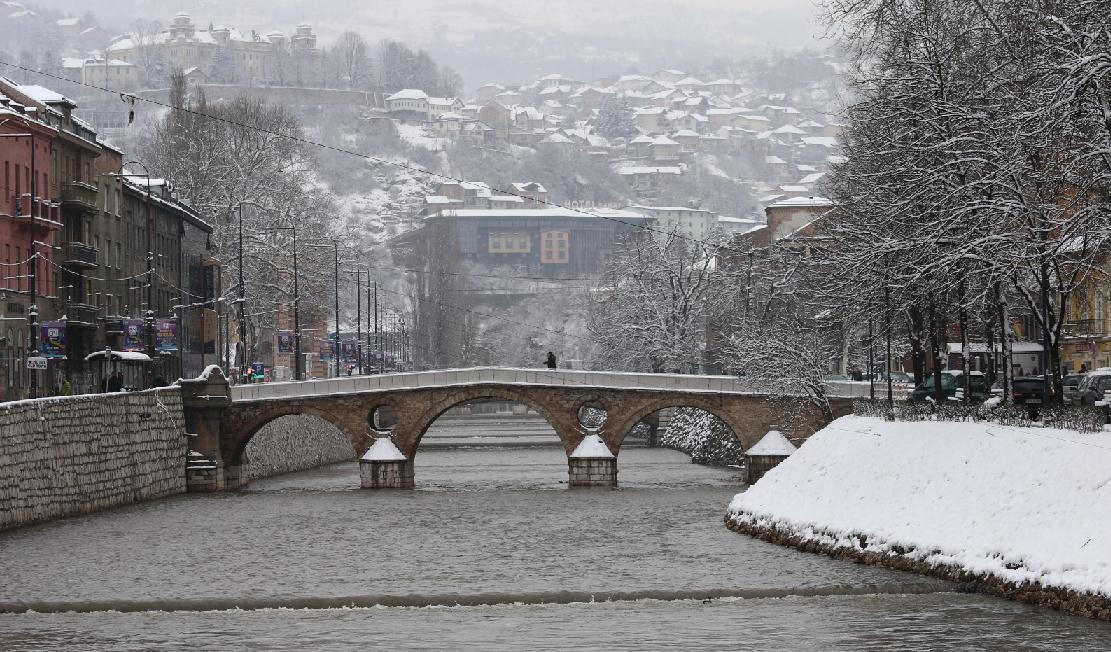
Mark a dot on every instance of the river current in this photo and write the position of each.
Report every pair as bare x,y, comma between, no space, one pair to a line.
492,551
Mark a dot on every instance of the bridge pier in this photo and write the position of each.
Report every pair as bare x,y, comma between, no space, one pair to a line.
592,464
385,467
205,400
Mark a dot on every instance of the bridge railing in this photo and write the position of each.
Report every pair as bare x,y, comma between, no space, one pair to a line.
517,376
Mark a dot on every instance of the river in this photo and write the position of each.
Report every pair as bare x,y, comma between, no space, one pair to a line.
492,551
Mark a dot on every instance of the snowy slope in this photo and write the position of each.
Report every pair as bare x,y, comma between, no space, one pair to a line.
1021,504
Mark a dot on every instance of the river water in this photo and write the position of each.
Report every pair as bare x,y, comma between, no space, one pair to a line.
492,551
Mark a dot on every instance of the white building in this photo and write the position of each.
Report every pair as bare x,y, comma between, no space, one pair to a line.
693,223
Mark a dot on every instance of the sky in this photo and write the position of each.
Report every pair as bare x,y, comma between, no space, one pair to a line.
494,40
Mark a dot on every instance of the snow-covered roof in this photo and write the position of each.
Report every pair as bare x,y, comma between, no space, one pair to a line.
812,178
383,450
794,189
758,118
130,356
442,101
43,95
788,129
408,94
685,133
529,186
690,81
557,138
773,443
663,140
653,110
67,22
643,138
821,141
507,199
799,202
642,169
592,447
439,199
774,160
810,124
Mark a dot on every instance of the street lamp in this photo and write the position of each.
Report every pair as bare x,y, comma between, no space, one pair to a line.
335,350
32,309
296,304
243,289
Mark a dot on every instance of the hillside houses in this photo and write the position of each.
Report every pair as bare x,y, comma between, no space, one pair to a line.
669,121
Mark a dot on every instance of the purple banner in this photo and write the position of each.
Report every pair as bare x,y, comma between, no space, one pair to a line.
349,349
133,335
326,348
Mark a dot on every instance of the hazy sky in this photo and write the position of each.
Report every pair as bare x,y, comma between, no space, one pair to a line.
496,40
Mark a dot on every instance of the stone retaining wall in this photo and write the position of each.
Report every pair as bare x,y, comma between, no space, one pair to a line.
295,443
72,455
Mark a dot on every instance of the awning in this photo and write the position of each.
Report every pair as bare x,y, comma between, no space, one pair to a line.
125,356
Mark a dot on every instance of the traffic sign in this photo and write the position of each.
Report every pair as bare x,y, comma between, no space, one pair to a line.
36,363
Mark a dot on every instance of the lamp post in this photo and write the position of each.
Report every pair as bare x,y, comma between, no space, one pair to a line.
297,375
33,265
243,288
335,341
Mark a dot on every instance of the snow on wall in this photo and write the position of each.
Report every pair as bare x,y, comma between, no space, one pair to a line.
1020,504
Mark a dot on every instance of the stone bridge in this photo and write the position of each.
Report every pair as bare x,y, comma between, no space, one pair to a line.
403,407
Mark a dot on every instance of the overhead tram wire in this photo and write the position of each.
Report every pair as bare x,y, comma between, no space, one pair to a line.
341,150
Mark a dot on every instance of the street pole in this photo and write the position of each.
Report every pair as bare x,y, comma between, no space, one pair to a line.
335,354
887,317
369,349
359,319
298,372
871,365
377,337
242,301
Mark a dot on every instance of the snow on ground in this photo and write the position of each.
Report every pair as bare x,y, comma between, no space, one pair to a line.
416,136
1018,503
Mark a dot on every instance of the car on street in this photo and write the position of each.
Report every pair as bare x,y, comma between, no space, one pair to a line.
1029,390
951,381
1093,386
1070,388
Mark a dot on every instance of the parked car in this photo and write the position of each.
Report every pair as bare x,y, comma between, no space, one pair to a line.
1029,390
951,381
1093,386
901,378
1070,389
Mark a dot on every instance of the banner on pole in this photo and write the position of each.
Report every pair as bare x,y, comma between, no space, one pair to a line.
326,349
285,342
133,335
52,339
165,335
349,350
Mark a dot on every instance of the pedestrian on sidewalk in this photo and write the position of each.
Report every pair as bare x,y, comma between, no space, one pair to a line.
551,361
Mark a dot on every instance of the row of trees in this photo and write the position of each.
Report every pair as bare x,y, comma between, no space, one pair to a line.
977,188
978,168
245,150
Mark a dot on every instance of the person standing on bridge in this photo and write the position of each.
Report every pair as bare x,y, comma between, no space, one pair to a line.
551,361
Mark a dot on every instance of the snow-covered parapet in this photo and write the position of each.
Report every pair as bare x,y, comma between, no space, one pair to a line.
209,370
383,450
774,443
591,447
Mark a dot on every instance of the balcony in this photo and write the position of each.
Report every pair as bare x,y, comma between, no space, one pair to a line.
1084,328
79,254
80,195
81,315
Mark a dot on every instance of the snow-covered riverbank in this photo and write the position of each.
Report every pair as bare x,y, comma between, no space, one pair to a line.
1020,512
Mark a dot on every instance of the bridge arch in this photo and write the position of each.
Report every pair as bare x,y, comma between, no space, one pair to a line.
615,433
247,431
410,432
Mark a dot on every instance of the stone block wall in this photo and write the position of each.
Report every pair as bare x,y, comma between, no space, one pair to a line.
295,443
592,472
72,455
